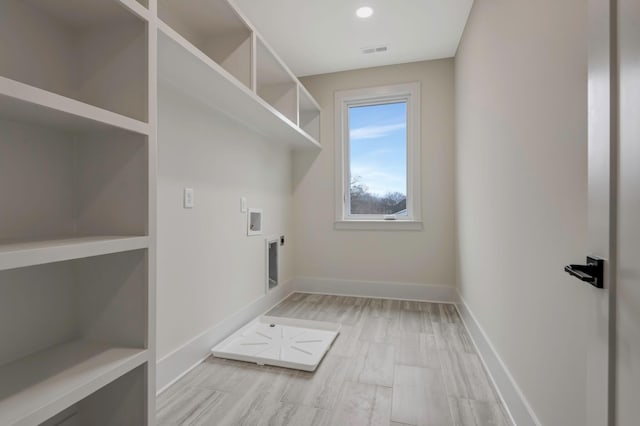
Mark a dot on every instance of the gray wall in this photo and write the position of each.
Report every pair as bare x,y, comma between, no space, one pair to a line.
420,257
208,268
521,161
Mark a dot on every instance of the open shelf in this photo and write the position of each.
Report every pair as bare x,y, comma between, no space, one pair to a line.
94,51
27,104
30,253
57,182
39,386
123,401
308,113
70,328
275,84
193,73
96,299
214,28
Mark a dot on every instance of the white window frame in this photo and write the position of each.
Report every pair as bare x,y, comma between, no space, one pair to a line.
409,93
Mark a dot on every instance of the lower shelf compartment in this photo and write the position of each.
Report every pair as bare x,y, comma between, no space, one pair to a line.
35,388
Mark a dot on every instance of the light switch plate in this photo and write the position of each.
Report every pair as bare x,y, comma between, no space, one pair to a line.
243,204
188,198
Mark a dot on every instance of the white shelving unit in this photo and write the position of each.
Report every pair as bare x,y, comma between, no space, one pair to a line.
242,77
77,222
78,106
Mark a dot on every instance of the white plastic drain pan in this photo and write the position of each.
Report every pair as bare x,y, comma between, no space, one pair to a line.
284,342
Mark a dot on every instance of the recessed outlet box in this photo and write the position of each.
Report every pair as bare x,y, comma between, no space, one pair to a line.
254,222
189,198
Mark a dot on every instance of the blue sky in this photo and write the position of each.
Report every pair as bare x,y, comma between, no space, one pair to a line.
378,146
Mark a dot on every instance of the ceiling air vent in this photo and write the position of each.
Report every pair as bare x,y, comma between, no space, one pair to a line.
377,49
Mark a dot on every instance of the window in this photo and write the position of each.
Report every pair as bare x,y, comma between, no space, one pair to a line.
378,158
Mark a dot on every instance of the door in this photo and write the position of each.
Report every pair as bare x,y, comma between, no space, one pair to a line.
602,202
613,366
627,336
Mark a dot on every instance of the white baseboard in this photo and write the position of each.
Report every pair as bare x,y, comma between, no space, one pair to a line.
512,397
182,360
376,289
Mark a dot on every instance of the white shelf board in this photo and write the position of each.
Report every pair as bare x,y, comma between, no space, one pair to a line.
183,66
41,385
19,254
24,103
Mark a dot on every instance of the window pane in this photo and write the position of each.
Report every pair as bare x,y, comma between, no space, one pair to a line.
378,159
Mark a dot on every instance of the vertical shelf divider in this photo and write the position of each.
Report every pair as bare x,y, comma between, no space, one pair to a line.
254,62
152,151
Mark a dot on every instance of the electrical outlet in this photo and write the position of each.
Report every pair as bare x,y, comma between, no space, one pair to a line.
188,198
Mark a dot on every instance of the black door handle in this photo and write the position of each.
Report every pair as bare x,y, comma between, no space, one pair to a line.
592,272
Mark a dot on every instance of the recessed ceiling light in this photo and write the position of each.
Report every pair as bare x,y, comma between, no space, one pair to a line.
364,12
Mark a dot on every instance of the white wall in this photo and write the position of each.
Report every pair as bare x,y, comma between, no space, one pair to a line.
521,161
208,269
421,257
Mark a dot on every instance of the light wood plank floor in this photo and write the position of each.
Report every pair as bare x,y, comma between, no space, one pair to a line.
394,363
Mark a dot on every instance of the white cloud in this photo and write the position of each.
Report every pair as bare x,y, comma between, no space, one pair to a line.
375,132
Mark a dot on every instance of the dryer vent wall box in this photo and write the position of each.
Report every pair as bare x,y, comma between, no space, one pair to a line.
271,281
254,222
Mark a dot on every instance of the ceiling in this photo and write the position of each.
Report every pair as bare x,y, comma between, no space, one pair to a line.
322,36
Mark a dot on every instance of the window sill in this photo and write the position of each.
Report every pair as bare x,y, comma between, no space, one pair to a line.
379,225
